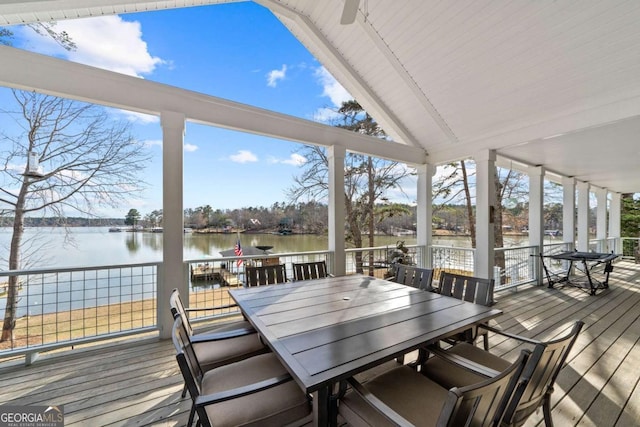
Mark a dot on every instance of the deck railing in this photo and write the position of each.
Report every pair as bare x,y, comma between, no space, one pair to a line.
452,259
65,307
380,261
70,306
211,278
630,248
515,266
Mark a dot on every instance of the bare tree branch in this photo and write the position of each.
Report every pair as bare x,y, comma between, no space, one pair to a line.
87,161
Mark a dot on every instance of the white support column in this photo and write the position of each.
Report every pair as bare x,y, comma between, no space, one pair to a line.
536,217
173,274
424,212
485,209
336,155
601,218
569,211
614,222
583,217
536,202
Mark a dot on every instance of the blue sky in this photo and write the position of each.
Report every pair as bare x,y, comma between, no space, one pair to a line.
237,51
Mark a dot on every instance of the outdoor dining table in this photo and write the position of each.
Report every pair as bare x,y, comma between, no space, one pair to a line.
330,329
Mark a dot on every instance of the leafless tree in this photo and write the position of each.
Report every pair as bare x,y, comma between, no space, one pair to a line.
367,181
85,160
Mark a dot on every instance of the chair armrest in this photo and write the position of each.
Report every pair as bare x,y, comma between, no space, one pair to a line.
209,399
463,362
507,334
220,336
377,404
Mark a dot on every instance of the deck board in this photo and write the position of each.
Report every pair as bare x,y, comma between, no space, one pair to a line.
137,382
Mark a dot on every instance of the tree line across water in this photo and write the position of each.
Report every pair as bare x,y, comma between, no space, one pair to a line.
312,217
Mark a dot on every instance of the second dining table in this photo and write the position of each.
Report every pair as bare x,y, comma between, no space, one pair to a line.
327,330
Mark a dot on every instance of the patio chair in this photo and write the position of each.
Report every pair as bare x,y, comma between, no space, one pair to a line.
265,275
309,270
242,327
253,391
404,397
220,346
416,277
452,368
421,278
471,289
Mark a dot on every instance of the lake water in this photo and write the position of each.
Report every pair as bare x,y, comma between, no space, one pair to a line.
96,246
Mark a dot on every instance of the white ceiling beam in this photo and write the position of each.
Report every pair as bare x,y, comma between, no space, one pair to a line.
27,12
30,71
408,80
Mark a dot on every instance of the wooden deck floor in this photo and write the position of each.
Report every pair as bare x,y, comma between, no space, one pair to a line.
139,384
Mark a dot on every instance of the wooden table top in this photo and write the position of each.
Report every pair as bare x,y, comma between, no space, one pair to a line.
329,329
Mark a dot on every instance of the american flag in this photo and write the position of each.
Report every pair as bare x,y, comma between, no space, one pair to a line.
238,251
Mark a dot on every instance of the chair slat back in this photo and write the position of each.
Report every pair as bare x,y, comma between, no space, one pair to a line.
186,357
177,309
420,278
467,288
543,368
483,404
309,270
401,274
265,275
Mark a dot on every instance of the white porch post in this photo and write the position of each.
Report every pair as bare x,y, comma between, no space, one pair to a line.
172,274
424,212
536,216
569,211
583,217
614,222
485,208
336,155
601,218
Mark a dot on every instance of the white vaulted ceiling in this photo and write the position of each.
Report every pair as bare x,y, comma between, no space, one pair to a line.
551,83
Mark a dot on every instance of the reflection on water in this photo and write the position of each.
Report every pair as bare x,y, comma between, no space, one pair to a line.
133,242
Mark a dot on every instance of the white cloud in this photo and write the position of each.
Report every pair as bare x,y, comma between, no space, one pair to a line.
152,142
190,148
325,115
331,88
107,42
294,160
274,76
243,156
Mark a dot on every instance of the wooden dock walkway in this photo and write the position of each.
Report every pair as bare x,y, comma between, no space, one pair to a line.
137,382
206,272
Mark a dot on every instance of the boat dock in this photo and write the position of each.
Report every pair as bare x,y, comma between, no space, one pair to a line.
207,272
